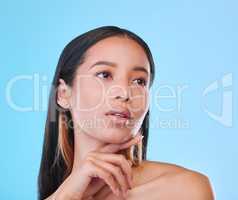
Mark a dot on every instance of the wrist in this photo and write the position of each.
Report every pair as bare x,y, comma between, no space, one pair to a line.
64,195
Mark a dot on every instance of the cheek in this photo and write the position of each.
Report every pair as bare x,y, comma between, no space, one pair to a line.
140,102
88,94
86,101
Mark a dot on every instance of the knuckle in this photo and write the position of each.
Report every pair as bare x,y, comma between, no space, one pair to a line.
117,170
121,158
88,162
126,163
91,154
108,176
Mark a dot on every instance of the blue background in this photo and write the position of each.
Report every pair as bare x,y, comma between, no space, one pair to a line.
194,43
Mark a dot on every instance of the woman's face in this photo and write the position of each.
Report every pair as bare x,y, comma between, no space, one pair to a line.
115,76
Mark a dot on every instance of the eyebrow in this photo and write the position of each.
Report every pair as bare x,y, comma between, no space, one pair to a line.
112,64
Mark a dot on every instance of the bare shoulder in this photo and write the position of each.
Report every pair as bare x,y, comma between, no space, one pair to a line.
174,181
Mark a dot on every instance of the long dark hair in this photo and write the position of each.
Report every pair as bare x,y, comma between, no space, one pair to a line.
58,146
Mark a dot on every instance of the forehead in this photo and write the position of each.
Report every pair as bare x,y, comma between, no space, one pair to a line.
121,50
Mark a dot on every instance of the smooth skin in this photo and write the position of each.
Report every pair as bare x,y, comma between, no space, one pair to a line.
104,172
99,171
167,181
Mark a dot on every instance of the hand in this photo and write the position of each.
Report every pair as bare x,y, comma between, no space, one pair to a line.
101,167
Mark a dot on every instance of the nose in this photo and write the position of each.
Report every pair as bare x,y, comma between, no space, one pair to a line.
123,98
121,91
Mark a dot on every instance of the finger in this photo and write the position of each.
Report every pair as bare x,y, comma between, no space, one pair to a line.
94,186
88,198
97,171
118,160
102,194
135,140
116,172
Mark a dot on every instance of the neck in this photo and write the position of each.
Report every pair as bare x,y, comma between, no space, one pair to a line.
83,144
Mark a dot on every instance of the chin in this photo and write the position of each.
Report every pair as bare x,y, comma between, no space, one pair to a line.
116,136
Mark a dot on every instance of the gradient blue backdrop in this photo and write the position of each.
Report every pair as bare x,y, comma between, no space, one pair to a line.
194,43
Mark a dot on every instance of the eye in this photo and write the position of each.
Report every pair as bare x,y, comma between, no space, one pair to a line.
141,81
105,74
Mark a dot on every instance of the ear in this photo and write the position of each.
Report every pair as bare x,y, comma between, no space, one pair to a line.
63,94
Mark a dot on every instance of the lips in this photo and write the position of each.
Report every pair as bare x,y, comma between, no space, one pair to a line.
120,113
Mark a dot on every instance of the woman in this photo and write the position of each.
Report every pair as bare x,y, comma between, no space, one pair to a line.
97,126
